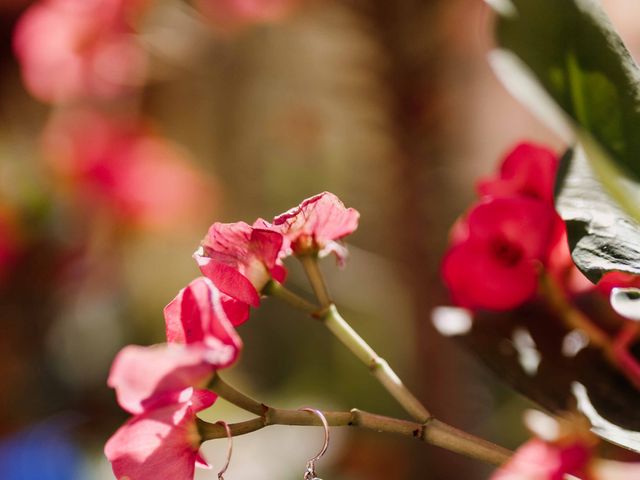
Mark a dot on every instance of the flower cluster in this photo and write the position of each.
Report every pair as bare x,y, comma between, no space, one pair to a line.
164,386
241,259
499,246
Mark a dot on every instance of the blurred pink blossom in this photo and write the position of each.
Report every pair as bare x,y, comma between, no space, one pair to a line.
123,167
70,49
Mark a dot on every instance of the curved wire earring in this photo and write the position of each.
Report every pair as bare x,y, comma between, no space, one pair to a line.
310,472
229,449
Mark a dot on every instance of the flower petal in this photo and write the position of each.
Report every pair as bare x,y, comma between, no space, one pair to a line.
148,377
163,440
476,280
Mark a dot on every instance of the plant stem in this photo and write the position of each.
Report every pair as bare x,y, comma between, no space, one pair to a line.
433,432
312,269
575,319
278,290
377,365
571,316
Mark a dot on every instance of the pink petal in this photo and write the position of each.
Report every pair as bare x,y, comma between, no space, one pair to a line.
147,377
538,460
229,280
196,311
162,443
610,470
323,218
266,245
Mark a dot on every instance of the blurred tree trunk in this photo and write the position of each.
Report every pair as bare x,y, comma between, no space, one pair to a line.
413,37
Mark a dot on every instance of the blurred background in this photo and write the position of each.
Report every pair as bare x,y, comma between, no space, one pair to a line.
127,127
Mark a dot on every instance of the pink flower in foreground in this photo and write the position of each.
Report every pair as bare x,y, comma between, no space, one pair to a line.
529,170
562,450
122,167
162,440
317,224
161,387
232,14
240,259
74,48
200,313
496,265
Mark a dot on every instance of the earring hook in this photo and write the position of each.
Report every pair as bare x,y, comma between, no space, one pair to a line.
310,474
229,449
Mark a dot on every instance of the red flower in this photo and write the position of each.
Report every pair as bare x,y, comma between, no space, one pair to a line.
74,48
240,259
528,170
317,224
495,265
159,385
201,314
123,168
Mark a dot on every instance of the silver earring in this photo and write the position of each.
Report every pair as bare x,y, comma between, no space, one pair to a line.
310,472
229,449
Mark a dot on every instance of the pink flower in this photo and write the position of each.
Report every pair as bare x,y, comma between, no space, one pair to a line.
529,170
74,48
240,259
121,167
200,313
496,265
163,440
160,386
539,460
317,224
233,14
562,449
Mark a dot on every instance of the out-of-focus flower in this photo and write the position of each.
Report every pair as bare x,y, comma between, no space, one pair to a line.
122,167
200,313
240,259
70,49
561,450
233,14
611,280
161,387
529,170
317,225
496,266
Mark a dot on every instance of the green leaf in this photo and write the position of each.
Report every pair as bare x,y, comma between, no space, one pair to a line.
602,236
572,50
564,60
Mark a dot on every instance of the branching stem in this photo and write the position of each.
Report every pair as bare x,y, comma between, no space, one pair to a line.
433,432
